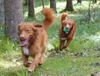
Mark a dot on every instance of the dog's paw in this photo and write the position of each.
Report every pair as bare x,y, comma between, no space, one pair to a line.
29,73
41,61
27,64
30,69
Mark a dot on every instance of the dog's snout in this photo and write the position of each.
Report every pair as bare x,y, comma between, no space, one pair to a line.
22,37
68,26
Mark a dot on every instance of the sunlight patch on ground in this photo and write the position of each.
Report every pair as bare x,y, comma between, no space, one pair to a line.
25,14
38,9
6,64
96,37
61,4
50,46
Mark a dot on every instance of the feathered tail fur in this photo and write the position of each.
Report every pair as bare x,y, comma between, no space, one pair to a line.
49,17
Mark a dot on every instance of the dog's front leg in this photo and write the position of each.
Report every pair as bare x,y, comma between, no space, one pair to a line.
25,60
68,42
41,60
62,44
34,63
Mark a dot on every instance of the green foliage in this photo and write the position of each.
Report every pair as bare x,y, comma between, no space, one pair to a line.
81,58
58,66
7,46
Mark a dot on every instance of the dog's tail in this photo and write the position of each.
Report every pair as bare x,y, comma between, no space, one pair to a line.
63,16
49,17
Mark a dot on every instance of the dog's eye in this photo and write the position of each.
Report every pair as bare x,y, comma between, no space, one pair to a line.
70,23
27,30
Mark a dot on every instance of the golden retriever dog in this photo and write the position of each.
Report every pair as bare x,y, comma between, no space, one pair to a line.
33,39
67,30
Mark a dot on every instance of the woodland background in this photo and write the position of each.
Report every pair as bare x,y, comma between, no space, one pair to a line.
82,56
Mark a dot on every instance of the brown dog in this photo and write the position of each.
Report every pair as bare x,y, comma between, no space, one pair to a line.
33,39
67,30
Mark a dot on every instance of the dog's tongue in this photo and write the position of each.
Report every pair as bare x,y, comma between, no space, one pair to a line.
23,43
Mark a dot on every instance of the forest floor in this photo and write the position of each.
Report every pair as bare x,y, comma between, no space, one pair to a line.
80,59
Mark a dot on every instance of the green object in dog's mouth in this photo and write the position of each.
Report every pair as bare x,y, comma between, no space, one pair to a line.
66,30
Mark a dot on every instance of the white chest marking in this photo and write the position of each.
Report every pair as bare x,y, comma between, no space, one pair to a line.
25,50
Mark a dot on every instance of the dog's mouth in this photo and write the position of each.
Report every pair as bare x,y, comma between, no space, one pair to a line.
66,30
25,42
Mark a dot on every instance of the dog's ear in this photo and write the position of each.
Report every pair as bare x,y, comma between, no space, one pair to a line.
19,25
73,29
34,28
38,25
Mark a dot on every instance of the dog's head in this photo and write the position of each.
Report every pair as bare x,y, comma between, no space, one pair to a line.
26,31
67,25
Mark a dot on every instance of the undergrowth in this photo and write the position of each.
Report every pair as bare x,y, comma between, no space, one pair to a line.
80,58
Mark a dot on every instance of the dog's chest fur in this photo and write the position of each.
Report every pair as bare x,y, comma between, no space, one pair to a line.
26,50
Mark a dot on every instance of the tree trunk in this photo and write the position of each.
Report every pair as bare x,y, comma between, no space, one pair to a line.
69,6
42,3
94,1
25,2
2,16
13,16
31,10
79,1
53,5
89,12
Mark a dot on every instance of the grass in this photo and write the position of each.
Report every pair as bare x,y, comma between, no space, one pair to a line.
81,59
58,66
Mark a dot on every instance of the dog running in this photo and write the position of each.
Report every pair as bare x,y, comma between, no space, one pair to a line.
33,39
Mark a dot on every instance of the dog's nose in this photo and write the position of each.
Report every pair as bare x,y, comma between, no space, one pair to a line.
21,37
